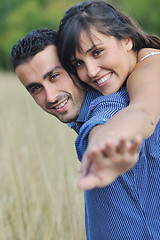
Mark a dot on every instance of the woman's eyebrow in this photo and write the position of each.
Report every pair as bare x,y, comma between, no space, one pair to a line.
91,48
87,51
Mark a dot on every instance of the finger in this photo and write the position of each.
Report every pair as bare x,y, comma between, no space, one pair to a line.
90,157
109,149
95,156
123,145
88,182
86,162
135,145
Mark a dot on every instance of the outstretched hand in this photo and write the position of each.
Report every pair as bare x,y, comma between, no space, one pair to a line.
101,166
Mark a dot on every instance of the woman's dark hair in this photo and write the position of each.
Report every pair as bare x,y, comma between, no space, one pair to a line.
105,19
31,44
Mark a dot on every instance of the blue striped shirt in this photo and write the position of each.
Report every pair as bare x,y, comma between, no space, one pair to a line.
129,208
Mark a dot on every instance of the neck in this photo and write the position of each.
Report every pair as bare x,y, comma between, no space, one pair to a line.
133,61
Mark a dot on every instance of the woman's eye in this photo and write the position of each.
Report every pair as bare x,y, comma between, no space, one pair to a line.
77,64
97,52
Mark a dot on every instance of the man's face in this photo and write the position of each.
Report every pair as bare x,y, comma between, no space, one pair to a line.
51,86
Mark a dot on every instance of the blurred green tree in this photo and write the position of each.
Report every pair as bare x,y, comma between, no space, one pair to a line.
18,17
146,12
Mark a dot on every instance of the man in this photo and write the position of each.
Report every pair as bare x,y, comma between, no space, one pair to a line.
62,99
109,210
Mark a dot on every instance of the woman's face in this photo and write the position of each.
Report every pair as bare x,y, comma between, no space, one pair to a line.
105,62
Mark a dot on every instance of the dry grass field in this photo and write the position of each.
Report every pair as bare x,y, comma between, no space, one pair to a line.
39,197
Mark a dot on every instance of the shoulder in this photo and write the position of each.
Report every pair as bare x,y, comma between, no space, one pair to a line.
146,52
109,104
147,63
118,97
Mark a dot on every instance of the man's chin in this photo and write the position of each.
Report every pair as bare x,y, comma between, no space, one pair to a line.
67,119
64,118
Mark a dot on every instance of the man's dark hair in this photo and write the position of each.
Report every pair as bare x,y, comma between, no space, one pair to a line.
33,43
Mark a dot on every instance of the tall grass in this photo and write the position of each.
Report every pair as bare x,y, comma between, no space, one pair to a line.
39,197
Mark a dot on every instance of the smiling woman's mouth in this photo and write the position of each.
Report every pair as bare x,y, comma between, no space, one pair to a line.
104,79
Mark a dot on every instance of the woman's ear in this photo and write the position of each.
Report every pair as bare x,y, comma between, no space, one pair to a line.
127,43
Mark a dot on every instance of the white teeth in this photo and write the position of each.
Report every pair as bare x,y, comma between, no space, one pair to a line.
62,104
104,79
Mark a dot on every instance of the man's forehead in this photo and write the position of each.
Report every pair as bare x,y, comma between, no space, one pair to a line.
50,53
43,61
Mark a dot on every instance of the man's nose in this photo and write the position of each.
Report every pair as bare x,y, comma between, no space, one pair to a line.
51,93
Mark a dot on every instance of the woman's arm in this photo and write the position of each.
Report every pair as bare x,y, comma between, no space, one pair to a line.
102,167
139,118
143,112
143,87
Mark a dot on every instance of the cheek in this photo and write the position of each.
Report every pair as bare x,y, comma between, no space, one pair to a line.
109,60
82,74
40,100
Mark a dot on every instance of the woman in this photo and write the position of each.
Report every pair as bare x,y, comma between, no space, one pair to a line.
107,50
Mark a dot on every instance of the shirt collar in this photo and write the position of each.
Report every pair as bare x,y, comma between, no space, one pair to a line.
90,96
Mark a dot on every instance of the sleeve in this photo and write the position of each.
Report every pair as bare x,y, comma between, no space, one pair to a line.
101,110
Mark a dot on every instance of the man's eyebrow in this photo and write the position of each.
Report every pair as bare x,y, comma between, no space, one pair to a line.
29,86
51,71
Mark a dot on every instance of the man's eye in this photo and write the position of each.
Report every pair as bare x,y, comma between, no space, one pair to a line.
52,77
78,63
35,89
97,52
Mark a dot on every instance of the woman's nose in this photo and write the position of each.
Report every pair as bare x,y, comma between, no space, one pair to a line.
92,69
